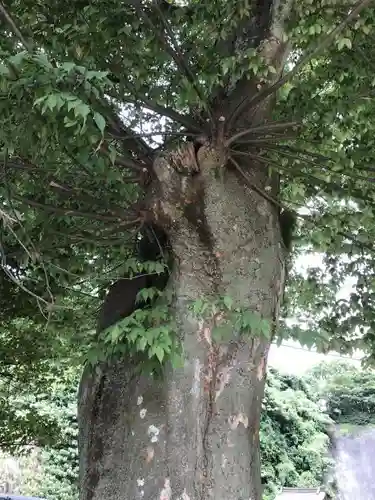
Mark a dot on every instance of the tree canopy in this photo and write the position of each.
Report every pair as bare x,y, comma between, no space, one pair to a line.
87,103
293,439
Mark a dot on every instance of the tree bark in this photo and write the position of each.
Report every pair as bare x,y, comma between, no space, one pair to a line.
194,435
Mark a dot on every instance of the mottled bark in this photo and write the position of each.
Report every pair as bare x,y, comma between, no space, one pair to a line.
195,434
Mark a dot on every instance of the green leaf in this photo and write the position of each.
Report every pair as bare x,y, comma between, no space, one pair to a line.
116,333
344,42
99,121
265,328
112,155
82,110
228,302
18,59
159,353
141,344
51,101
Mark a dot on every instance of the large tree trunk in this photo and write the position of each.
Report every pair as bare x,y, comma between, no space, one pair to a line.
198,438
195,434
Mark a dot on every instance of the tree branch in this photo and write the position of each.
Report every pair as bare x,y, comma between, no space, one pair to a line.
254,186
263,129
69,212
66,190
184,120
8,18
172,50
317,164
249,102
324,185
136,143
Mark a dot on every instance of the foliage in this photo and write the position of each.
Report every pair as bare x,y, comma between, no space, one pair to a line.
349,392
46,466
148,332
83,103
226,317
294,443
60,460
292,434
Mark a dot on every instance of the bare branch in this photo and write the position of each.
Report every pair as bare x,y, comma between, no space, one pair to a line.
17,282
325,185
268,139
160,132
184,120
249,103
64,189
128,163
172,50
253,186
69,212
263,129
14,27
319,164
181,61
136,143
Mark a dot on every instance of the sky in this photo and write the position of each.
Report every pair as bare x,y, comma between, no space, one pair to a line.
290,357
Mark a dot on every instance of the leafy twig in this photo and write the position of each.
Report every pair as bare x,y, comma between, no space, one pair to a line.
70,212
172,50
251,102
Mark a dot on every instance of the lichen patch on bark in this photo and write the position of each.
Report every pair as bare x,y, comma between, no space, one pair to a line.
235,420
150,452
166,492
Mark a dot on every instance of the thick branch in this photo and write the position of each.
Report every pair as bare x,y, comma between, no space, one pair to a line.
253,186
266,128
184,120
134,142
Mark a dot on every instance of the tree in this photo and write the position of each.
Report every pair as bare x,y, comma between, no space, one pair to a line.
46,465
189,117
348,391
293,439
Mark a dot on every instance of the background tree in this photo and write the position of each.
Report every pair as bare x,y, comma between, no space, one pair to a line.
187,116
293,439
349,393
46,464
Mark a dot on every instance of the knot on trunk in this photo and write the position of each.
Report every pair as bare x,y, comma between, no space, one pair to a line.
183,159
212,156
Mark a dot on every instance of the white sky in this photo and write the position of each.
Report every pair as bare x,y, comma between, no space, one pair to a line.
290,357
